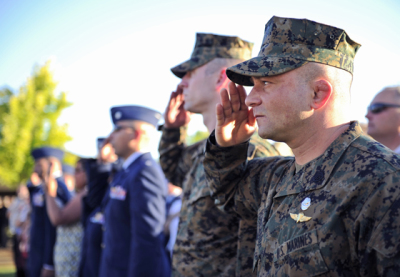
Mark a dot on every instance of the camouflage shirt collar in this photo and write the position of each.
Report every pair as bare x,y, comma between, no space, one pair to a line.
315,173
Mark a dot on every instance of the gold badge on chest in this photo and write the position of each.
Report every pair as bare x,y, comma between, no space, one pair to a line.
300,217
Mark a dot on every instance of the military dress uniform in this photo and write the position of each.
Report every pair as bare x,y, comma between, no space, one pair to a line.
92,216
339,214
43,233
134,216
209,241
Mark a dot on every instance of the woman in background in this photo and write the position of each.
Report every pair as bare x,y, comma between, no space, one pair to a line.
67,250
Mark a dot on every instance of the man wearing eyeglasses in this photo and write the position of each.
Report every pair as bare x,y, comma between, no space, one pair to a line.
384,118
134,214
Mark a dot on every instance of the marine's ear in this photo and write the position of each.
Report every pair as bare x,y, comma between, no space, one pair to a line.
322,93
222,80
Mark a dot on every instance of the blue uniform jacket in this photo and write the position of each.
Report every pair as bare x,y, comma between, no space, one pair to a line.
42,233
134,218
92,218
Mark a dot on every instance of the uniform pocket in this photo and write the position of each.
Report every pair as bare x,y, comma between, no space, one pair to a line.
299,257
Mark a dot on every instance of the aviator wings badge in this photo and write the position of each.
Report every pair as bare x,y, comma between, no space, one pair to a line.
300,217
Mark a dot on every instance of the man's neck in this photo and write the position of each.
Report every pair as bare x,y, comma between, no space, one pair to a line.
209,118
315,143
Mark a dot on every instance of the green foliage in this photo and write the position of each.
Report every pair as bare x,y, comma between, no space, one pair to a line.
29,120
70,158
198,136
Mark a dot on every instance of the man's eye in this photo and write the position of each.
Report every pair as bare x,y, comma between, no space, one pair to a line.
266,83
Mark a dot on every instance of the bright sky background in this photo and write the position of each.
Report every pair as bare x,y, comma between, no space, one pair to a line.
120,52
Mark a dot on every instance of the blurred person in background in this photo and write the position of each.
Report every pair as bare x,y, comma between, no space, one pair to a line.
209,242
3,222
42,232
66,217
100,172
18,215
69,176
134,215
174,205
384,118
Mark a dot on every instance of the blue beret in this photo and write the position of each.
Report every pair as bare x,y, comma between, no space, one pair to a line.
46,151
67,169
135,113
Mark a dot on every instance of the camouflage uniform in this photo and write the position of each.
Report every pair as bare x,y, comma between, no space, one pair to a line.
354,192
207,240
338,215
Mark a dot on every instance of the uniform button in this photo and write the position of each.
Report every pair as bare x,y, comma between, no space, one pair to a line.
102,245
103,228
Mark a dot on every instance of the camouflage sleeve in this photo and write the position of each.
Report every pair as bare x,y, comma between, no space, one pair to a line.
173,159
236,183
381,256
260,147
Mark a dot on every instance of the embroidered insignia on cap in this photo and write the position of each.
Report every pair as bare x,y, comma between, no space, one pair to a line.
300,217
118,193
98,218
305,204
117,115
157,115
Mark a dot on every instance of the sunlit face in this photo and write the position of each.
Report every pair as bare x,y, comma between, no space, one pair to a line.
121,137
198,89
41,166
80,176
387,121
280,104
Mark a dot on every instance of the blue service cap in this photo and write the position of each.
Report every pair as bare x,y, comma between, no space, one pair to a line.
67,169
47,151
135,113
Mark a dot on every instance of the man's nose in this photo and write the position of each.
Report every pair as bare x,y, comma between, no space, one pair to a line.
253,99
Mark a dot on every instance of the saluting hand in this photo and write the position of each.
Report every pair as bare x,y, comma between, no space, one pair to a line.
235,122
49,182
106,153
175,115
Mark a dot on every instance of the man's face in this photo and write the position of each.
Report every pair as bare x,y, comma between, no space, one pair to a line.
280,105
121,137
387,121
42,166
198,89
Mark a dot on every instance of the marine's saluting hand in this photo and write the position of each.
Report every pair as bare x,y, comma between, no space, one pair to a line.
235,121
175,115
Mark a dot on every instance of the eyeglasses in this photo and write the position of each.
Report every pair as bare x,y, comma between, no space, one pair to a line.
118,128
380,107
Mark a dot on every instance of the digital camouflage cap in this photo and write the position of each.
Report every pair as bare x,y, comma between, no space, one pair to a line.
289,43
210,46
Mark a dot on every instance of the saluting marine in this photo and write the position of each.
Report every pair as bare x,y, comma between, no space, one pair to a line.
333,209
209,242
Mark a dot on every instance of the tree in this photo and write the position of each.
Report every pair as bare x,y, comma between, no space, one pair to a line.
29,120
198,136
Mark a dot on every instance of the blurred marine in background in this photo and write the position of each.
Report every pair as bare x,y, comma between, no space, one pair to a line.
209,242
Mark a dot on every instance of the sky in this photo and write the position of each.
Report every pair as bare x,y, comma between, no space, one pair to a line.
110,53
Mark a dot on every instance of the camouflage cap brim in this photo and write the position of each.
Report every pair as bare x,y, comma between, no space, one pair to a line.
260,67
289,43
194,62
